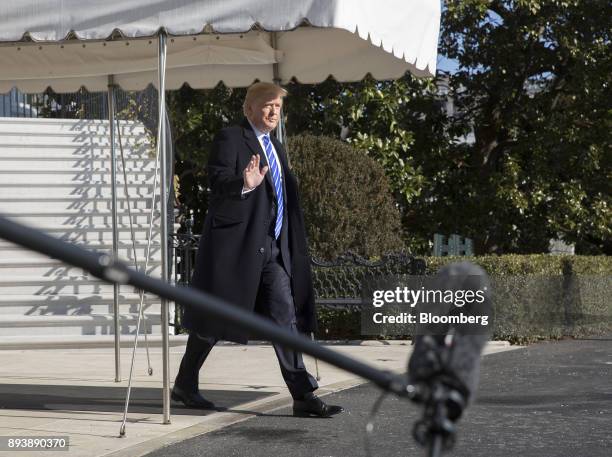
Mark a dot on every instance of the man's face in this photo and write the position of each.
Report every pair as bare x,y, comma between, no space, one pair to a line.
264,113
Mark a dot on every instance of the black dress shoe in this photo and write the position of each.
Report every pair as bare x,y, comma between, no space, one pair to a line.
311,405
191,399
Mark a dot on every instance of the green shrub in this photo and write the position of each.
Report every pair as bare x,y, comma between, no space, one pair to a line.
544,296
339,323
346,199
536,264
534,297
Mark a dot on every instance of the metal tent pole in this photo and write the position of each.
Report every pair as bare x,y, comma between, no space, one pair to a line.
111,122
161,143
144,269
147,256
281,134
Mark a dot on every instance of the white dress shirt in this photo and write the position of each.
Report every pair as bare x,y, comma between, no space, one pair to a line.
260,136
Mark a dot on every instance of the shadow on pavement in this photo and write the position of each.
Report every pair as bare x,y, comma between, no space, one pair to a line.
143,400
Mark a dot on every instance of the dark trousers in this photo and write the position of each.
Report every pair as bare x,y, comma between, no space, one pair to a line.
274,301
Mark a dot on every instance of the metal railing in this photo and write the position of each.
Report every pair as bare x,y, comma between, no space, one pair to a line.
337,283
75,105
184,251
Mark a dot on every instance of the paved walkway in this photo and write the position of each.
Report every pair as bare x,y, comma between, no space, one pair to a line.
71,392
551,399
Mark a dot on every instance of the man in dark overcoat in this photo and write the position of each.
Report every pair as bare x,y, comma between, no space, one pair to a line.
253,251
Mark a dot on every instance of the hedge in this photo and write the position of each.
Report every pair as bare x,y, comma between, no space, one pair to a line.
346,198
536,264
534,297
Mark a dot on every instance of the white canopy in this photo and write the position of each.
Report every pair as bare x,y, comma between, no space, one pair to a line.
67,44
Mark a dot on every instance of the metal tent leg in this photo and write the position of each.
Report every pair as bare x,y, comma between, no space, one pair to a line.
318,376
281,133
111,121
161,143
141,292
133,238
140,305
160,156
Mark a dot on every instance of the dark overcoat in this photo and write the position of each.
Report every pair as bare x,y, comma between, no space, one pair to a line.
231,251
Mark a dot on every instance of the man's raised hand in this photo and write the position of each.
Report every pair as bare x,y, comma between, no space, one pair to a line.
252,175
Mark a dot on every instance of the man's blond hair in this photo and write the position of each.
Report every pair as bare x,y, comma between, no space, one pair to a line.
258,91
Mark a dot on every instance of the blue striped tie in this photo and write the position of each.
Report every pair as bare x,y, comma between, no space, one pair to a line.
278,185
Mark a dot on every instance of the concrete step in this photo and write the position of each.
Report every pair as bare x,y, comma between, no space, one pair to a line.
65,132
74,203
11,252
47,267
34,284
72,304
100,233
38,190
68,126
55,175
79,217
88,151
68,163
25,177
92,324
84,341
61,139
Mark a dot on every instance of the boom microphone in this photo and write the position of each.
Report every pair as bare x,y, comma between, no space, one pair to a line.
445,365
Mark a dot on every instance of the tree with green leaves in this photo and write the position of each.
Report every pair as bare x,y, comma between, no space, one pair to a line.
345,111
511,147
528,152
373,116
196,116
